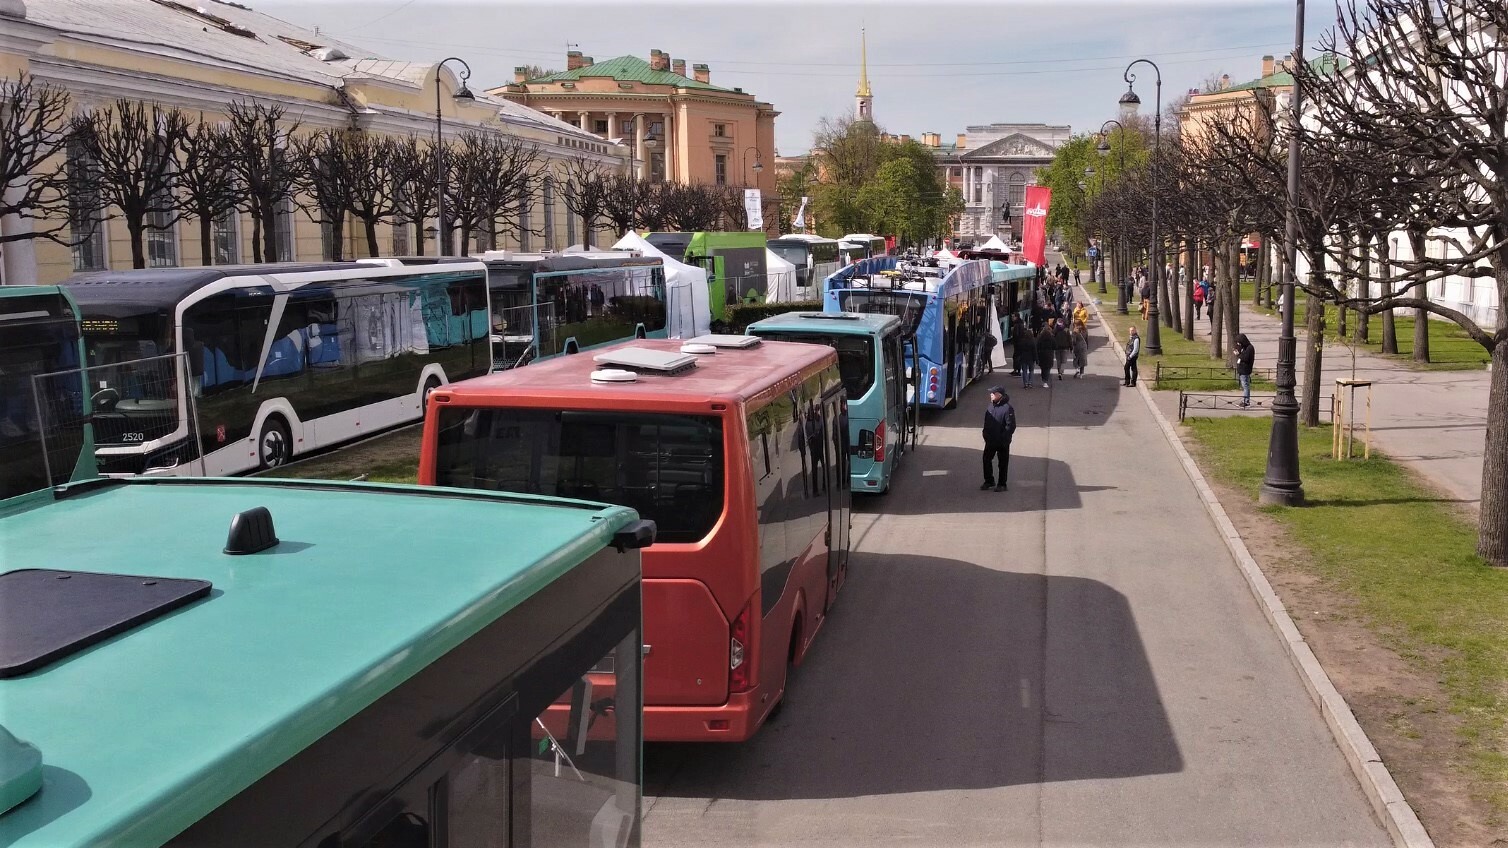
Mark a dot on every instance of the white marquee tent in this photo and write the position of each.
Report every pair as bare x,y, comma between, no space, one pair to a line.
995,244
688,304
780,286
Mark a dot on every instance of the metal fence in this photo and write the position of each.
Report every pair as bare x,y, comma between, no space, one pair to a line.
1216,402
1173,373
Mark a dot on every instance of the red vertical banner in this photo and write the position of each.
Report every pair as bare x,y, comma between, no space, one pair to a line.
1034,224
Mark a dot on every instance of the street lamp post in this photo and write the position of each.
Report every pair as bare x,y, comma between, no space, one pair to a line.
758,161
1281,484
1129,103
1103,148
442,239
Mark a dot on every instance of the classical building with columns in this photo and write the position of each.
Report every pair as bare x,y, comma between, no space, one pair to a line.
992,164
200,57
681,127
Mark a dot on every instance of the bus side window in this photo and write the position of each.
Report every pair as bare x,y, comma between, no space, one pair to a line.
892,367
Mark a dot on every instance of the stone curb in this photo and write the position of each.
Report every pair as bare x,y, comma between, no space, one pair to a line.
1366,764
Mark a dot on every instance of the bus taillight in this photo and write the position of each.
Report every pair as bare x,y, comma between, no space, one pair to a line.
739,661
879,441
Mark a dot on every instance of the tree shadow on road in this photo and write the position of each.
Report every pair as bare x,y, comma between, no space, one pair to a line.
930,675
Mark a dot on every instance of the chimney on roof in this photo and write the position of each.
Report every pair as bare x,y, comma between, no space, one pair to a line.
701,73
961,138
587,61
905,138
520,74
573,60
678,67
659,60
1268,66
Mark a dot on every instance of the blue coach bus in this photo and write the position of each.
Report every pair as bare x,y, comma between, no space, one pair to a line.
871,359
945,309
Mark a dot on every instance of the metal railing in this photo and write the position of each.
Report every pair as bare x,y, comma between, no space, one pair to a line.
1217,402
1173,373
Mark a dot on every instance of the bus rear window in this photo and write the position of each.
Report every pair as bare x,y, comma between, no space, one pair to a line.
855,357
667,467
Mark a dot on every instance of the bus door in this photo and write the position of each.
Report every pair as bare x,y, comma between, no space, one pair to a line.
839,498
895,393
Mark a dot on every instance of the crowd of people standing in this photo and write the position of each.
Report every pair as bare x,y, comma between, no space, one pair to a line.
1052,330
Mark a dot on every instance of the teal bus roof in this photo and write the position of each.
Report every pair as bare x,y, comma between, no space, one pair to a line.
832,323
1001,272
145,733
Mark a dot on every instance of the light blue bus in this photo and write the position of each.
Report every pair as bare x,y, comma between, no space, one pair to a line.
871,359
945,308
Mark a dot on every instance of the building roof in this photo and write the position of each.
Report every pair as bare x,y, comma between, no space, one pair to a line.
630,69
151,729
235,37
1325,64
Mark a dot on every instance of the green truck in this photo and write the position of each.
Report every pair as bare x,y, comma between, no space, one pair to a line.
734,262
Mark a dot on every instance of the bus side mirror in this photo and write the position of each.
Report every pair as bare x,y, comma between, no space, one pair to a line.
637,534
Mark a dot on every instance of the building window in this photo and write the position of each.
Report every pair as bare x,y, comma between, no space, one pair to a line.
400,240
162,232
282,231
628,128
571,231
656,167
85,210
225,238
549,202
719,130
721,169
523,228
600,127
978,191
657,128
1018,190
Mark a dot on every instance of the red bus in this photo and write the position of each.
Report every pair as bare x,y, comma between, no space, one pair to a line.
736,448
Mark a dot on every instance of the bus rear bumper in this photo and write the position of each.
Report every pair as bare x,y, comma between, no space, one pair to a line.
872,481
734,721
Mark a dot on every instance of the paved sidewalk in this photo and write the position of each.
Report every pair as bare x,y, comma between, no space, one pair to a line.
1432,421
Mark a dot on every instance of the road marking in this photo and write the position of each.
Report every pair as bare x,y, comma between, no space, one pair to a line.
936,472
1026,694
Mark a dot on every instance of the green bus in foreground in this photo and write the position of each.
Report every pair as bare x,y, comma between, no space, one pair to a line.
348,665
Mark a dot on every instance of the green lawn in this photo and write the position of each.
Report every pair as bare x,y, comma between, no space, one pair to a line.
1450,349
1424,591
392,458
1176,352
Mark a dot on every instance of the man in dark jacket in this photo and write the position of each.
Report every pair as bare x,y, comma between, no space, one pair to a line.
999,427
1246,356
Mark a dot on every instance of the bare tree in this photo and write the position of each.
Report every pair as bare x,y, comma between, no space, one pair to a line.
134,151
653,205
693,207
621,204
207,183
326,177
34,133
584,189
266,168
493,181
372,161
412,172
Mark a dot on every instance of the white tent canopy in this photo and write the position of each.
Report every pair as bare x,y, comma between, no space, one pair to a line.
944,254
688,304
995,244
780,286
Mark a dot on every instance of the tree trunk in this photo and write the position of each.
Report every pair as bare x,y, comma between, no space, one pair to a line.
1345,262
1174,312
1360,335
270,238
1232,305
206,240
419,237
1385,279
1218,269
1421,329
371,229
1492,527
1190,264
136,231
338,239
256,238
1314,353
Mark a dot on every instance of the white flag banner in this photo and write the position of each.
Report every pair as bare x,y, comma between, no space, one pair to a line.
754,208
800,221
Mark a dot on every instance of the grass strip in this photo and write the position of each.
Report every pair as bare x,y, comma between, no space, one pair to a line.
1371,531
1177,352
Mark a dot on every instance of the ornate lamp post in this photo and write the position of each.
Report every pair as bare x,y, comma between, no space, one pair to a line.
758,161
442,238
1281,484
1129,104
1120,272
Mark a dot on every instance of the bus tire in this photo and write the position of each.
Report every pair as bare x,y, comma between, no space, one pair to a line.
571,347
274,443
639,333
429,388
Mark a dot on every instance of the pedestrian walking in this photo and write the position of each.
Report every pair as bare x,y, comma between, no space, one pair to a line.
989,352
999,427
1209,301
1062,345
1080,341
1146,304
1246,356
1014,337
1081,314
1046,352
1198,296
1026,355
1133,350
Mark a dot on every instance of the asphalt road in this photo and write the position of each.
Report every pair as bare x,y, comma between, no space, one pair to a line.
1074,662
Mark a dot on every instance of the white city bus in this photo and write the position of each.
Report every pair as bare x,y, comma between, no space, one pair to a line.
815,258
265,362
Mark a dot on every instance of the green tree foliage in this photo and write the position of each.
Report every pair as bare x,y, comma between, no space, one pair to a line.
875,185
1079,170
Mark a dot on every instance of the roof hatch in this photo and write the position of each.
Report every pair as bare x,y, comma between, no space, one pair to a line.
648,360
727,341
831,316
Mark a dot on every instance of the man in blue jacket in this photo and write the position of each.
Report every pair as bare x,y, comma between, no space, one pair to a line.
999,427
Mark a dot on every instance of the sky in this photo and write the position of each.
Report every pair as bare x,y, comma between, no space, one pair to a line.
934,67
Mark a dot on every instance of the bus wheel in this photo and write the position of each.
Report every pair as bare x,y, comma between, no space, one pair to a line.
639,333
429,388
790,668
275,444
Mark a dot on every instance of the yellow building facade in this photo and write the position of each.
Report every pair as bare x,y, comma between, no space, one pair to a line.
204,56
680,127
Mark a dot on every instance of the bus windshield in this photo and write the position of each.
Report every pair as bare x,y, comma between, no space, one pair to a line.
855,357
795,254
906,304
668,467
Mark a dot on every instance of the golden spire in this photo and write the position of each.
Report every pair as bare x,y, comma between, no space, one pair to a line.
863,66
